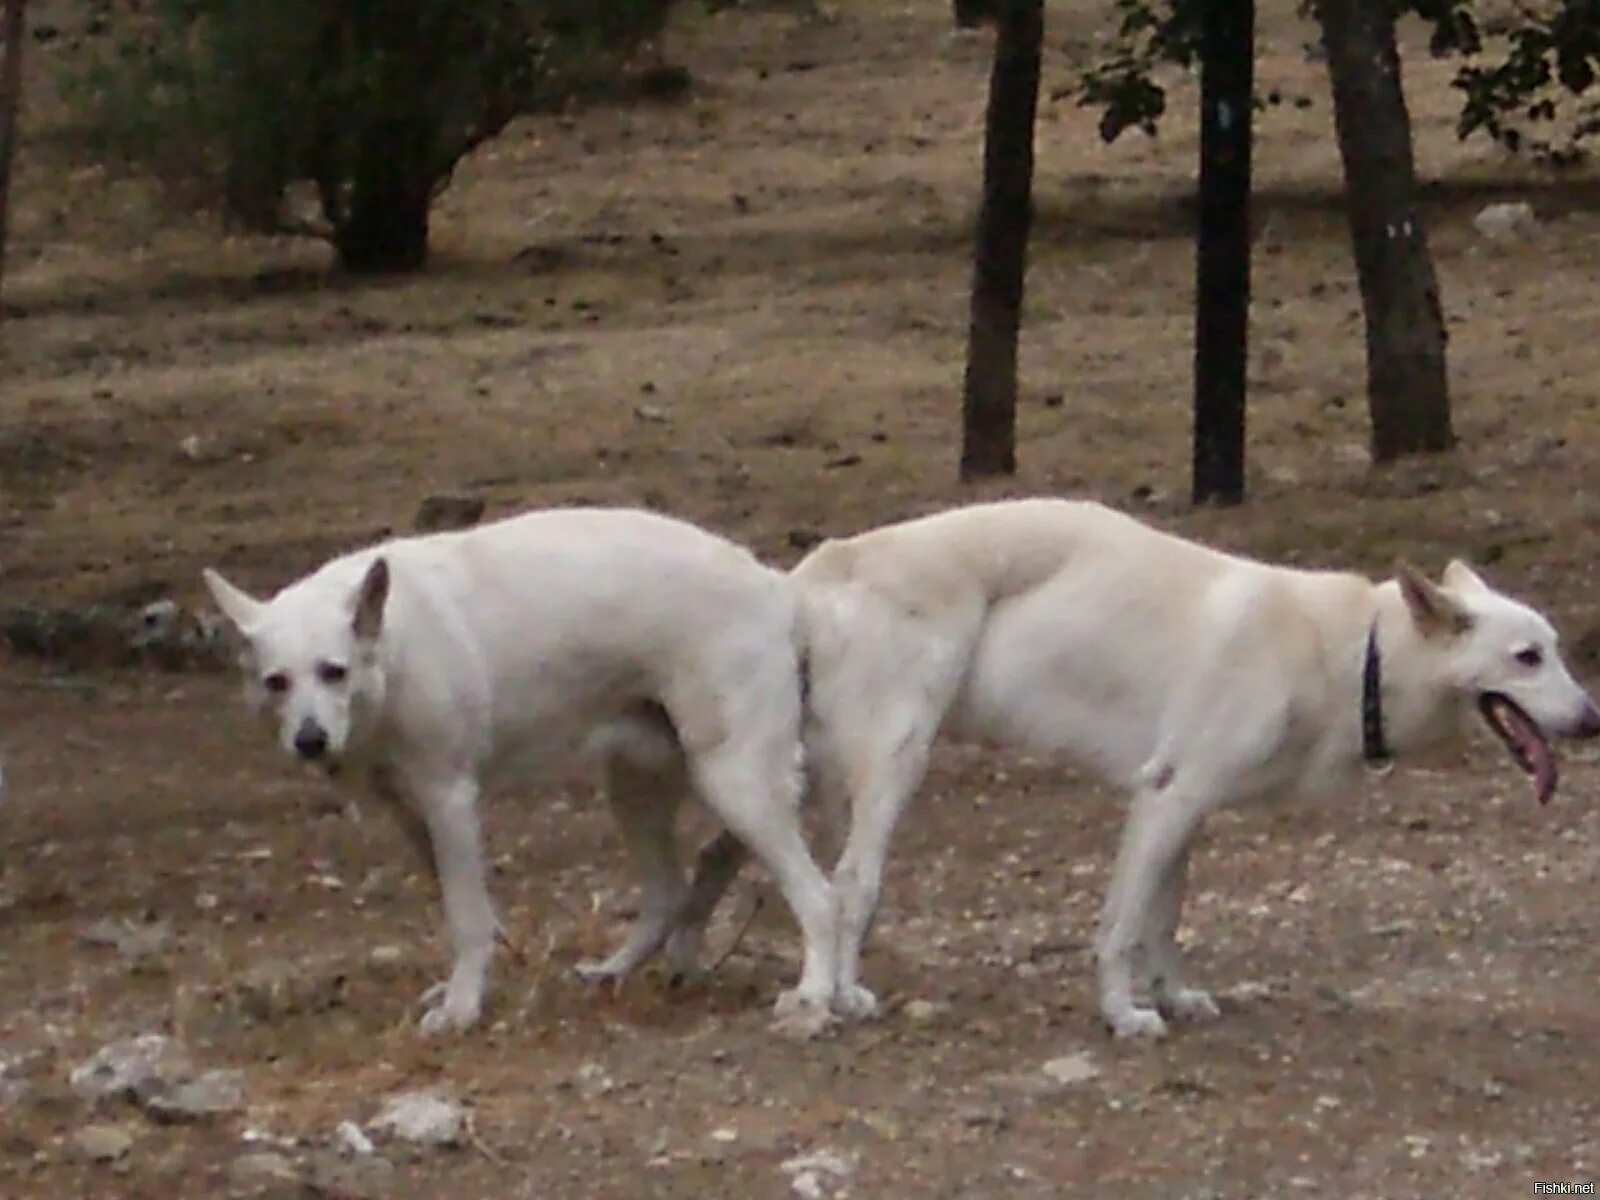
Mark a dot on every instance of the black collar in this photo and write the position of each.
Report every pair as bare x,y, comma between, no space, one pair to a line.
1374,747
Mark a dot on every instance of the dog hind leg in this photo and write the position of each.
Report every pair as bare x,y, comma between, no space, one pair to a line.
737,782
716,867
886,781
644,802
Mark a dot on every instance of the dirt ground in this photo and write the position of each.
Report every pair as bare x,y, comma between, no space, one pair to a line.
749,309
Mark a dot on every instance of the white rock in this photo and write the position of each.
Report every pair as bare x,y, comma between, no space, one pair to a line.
922,1011
206,1095
133,1066
101,1143
425,1118
261,1167
817,1175
593,1081
352,1139
1506,221
130,940
1071,1068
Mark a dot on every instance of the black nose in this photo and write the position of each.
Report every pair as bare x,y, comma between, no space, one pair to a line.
311,740
1589,723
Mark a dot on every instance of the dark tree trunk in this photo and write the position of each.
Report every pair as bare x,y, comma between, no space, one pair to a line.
10,110
1407,390
1222,269
970,14
989,394
385,228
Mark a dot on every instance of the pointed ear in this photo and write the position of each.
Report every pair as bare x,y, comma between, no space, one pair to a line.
239,607
1432,609
1463,578
373,594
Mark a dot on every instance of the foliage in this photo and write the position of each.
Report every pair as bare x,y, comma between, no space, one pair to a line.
1549,53
371,101
1150,34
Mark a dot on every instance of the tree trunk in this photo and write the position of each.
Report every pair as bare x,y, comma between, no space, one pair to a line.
1407,390
1222,267
989,394
386,226
10,111
970,14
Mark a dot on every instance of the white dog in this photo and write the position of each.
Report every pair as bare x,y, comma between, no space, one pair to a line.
663,650
1190,677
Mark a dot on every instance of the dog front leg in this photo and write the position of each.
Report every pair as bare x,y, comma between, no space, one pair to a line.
411,824
1163,958
451,813
1160,826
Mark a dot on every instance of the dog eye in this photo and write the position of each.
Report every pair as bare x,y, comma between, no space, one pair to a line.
1531,657
332,672
277,683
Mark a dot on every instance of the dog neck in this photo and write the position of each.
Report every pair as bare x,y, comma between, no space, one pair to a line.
1403,671
1374,745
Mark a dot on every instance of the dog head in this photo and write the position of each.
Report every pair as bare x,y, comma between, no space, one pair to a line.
310,656
1502,657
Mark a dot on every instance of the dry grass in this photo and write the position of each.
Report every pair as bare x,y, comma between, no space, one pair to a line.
750,310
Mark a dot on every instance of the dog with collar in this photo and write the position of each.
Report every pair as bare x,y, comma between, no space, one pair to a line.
1189,677
429,665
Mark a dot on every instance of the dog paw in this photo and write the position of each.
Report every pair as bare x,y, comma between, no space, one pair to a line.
683,955
1190,1004
1134,1022
599,971
433,994
449,1013
855,1002
802,1016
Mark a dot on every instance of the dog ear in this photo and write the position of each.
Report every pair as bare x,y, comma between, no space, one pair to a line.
238,606
373,594
1433,609
1463,578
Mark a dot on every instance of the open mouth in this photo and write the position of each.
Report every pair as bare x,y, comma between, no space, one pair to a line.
1523,739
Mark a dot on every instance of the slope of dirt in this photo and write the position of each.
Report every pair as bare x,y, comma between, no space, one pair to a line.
749,309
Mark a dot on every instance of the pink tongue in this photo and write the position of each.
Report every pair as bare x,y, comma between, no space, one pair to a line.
1538,760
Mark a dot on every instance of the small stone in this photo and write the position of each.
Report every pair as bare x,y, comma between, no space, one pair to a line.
263,1167
652,413
1506,221
922,1011
350,1138
983,1116
207,1095
1071,1068
386,956
329,1174
725,1136
278,988
424,1118
592,1081
444,511
817,1175
131,1067
101,1143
